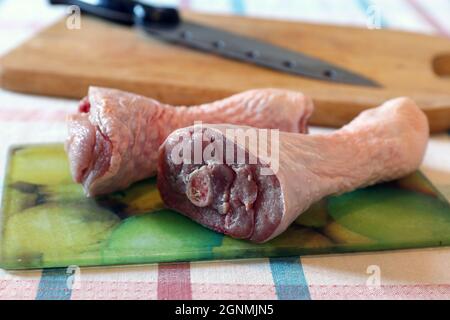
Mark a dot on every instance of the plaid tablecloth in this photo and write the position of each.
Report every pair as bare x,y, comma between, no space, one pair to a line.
407,274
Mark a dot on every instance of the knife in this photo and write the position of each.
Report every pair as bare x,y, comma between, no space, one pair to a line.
166,24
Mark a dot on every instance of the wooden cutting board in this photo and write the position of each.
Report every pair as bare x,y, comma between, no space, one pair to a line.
63,62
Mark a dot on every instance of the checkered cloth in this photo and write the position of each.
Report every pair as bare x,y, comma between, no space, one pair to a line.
407,274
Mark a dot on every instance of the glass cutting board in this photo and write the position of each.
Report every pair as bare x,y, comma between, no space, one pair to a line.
47,221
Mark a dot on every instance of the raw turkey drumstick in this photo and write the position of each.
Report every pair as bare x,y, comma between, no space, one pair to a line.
114,139
258,201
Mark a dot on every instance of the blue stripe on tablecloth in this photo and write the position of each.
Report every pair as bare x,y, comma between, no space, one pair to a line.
238,6
53,285
289,279
364,5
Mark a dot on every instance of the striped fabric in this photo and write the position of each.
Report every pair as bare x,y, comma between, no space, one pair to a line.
410,274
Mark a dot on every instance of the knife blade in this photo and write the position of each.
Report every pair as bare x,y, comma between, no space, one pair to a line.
166,24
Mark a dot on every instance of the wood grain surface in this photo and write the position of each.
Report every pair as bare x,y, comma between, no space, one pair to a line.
63,62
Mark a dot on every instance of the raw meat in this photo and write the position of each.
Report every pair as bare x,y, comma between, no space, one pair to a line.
114,138
240,200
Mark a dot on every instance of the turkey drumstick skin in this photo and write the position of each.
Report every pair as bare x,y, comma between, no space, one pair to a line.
114,138
237,199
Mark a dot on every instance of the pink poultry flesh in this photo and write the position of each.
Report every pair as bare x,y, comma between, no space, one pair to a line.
381,144
114,138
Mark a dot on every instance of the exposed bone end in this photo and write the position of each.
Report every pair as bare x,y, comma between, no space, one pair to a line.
199,188
84,106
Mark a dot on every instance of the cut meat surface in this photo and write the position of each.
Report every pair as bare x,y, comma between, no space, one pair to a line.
242,200
114,138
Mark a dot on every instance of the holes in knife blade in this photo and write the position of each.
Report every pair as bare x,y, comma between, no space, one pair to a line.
329,73
186,35
289,64
219,44
252,54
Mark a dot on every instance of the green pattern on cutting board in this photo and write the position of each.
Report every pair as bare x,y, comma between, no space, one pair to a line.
46,221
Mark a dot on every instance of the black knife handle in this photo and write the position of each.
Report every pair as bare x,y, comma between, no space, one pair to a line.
126,12
145,14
